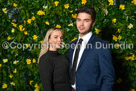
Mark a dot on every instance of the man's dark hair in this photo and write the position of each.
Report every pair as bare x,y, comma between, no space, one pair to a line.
87,9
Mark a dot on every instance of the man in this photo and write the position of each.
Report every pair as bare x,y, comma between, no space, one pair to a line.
91,66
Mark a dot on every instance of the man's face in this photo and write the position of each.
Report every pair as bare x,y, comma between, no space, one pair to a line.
84,23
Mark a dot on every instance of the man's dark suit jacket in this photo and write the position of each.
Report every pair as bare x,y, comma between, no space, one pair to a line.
95,71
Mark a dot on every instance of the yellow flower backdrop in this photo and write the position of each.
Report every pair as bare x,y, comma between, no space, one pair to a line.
24,23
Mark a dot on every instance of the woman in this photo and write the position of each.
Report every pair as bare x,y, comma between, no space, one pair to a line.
53,67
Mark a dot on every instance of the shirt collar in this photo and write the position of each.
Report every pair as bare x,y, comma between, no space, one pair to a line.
86,37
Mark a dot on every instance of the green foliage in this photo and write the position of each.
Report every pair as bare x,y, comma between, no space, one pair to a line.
21,25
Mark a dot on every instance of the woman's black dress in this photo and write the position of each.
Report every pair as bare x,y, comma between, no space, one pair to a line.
54,72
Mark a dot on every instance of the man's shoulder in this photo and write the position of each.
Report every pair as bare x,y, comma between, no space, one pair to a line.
101,44
96,39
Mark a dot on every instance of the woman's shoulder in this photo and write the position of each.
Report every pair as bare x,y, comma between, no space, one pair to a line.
44,62
44,58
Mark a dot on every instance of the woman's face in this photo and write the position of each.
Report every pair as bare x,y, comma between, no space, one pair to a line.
56,40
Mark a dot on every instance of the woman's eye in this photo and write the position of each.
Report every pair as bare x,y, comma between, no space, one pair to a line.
78,19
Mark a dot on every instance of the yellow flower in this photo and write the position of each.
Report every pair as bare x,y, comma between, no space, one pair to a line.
36,86
119,80
84,1
119,30
15,25
115,38
132,57
130,26
15,62
119,37
58,26
66,6
111,2
73,39
4,85
21,28
122,7
114,20
35,37
34,60
9,38
31,82
27,45
37,89
56,3
97,31
12,83
74,15
25,32
15,5
41,42
10,76
0,65
71,24
12,30
28,61
40,12
127,58
24,21
4,10
134,2
133,89
5,60
33,18
47,23
29,21
71,11
15,71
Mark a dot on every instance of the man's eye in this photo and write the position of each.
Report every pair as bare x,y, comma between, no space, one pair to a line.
87,20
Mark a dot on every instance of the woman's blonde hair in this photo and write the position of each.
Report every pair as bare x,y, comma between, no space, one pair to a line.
45,44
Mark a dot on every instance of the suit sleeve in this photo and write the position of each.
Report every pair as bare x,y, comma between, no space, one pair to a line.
107,70
46,72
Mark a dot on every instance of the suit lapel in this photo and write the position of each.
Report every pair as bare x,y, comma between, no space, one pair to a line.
85,52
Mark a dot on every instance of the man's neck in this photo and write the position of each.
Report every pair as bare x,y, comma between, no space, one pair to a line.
82,35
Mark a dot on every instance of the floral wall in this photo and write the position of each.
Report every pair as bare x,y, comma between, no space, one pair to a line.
23,25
